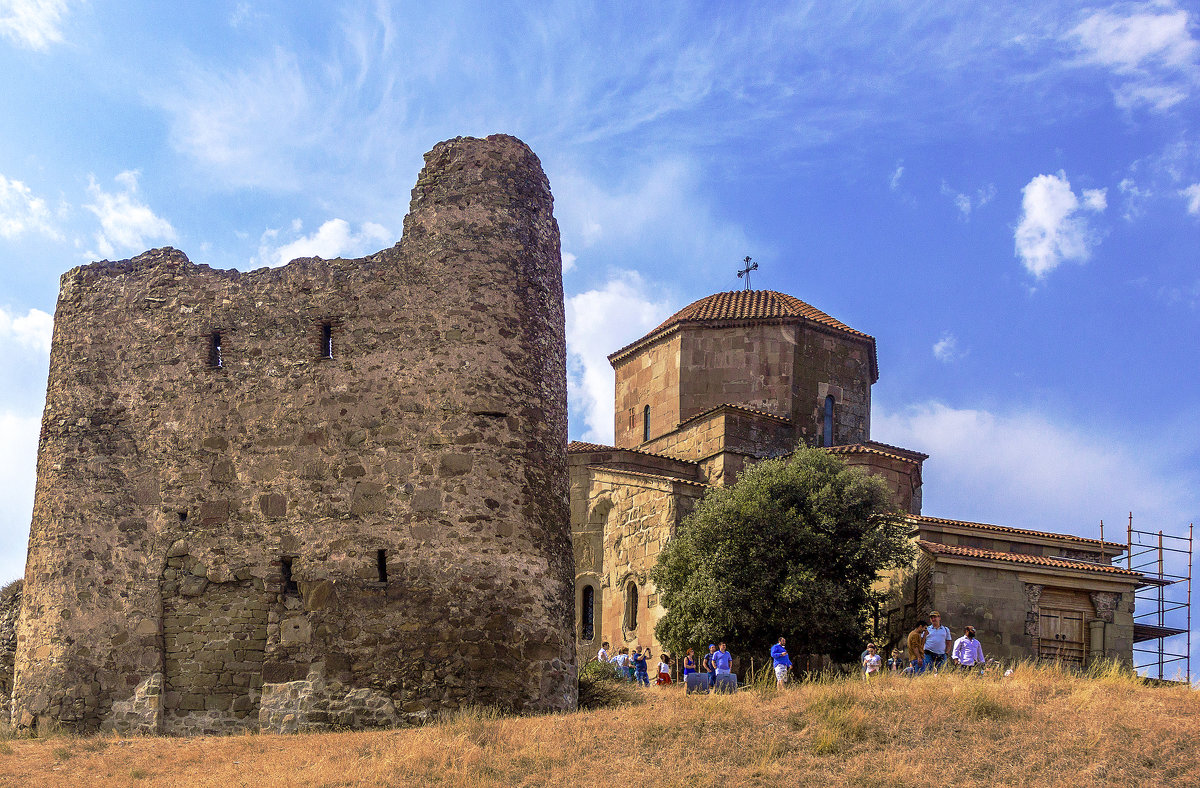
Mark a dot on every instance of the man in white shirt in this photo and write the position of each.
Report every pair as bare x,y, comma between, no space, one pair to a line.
602,654
968,652
937,642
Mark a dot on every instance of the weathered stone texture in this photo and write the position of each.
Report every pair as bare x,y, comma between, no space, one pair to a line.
10,608
228,527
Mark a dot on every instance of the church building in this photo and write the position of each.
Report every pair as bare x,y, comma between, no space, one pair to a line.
741,376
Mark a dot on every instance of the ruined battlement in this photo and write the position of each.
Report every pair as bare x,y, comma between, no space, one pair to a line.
333,492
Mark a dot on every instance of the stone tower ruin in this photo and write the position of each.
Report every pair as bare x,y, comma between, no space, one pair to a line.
331,493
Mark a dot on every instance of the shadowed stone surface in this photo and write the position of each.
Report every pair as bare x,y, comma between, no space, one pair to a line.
202,532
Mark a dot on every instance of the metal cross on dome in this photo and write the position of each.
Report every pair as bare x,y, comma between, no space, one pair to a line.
750,266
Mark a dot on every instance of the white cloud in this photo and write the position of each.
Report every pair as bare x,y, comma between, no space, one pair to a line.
661,209
126,223
1027,469
18,463
34,24
1053,227
598,322
32,330
897,174
1151,50
21,211
334,238
965,203
946,348
1192,194
568,262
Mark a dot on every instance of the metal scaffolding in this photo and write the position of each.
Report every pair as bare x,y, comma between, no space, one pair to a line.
1161,645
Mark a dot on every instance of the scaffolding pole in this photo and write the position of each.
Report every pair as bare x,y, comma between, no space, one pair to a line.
1165,600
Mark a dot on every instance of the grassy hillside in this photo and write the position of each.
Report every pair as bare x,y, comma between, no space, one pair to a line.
1038,727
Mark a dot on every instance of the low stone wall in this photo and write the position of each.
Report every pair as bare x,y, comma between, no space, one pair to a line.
316,704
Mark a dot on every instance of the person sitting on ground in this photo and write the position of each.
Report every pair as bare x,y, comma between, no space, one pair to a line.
664,670
916,648
895,663
782,661
872,663
968,652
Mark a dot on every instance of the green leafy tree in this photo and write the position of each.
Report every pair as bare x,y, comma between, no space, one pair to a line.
791,550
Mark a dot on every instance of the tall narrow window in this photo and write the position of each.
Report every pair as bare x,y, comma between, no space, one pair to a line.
646,424
327,340
588,628
631,605
381,564
289,582
214,350
827,427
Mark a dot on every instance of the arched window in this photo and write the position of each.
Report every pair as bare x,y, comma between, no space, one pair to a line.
631,605
827,427
588,628
646,424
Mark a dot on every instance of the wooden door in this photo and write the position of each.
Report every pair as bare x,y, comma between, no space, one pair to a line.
1063,636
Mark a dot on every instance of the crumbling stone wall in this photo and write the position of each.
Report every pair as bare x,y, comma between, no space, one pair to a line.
222,504
10,607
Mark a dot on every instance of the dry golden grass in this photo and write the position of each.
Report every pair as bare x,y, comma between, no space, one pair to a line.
1039,727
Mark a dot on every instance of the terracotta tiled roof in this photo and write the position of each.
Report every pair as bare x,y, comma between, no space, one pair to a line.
1020,558
898,449
580,447
742,408
753,305
660,476
741,305
859,448
1004,529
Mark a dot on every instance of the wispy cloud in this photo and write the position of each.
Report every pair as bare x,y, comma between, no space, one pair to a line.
966,202
1053,227
1192,195
946,349
33,24
335,238
598,322
897,174
1030,469
1148,47
126,223
21,211
31,330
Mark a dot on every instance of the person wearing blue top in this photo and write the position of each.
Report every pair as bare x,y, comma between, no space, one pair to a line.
782,662
722,661
639,664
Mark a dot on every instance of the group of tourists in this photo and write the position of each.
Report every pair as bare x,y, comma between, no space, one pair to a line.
930,648
634,666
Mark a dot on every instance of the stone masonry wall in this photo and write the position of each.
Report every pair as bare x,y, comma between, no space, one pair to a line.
10,608
395,513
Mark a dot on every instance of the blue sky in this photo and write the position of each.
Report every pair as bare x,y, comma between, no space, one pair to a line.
1008,199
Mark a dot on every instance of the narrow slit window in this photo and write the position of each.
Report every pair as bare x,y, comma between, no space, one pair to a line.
631,605
646,424
215,358
589,613
327,340
381,564
827,427
289,582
